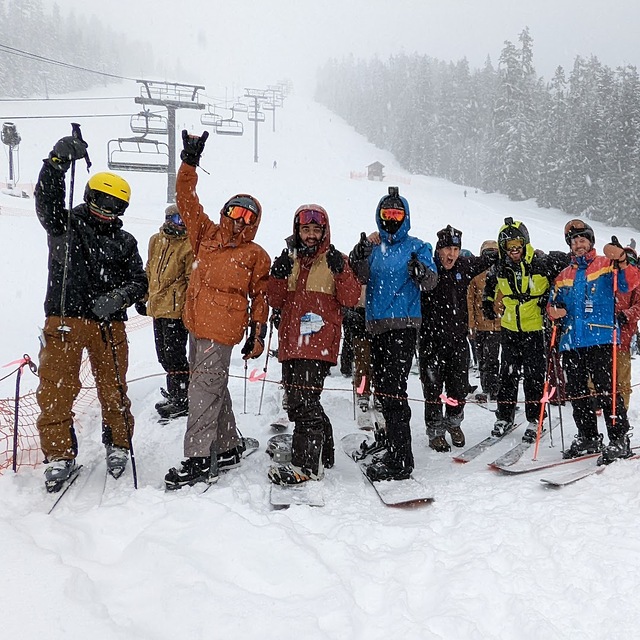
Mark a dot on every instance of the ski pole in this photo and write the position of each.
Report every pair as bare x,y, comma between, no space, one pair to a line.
246,365
556,375
26,360
545,391
614,350
125,413
266,363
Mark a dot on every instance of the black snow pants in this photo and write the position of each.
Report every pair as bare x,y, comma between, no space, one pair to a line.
171,338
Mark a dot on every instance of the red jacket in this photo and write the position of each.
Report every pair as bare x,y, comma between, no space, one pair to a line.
312,288
630,304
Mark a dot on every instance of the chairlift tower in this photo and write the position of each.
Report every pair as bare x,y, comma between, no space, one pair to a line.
257,95
160,156
11,138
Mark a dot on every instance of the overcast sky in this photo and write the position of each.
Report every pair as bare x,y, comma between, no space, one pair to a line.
264,41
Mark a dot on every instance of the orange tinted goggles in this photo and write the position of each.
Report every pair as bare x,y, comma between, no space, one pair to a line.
513,245
392,214
241,213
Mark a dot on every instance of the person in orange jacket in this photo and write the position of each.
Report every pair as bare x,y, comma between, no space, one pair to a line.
227,293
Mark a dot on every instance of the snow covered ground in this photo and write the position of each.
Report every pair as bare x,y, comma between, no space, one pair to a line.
492,557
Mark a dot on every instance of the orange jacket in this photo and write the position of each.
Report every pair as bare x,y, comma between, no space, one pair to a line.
228,271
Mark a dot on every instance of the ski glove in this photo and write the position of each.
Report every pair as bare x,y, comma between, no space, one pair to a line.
193,147
614,251
363,249
141,308
66,151
622,319
276,317
110,304
335,260
488,311
254,344
282,266
417,270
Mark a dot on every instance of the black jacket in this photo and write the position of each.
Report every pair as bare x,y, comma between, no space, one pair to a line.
102,256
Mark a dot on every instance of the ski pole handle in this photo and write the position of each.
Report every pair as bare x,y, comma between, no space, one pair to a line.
76,133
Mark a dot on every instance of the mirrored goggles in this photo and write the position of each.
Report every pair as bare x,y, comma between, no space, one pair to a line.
241,213
632,258
311,216
392,214
514,245
175,219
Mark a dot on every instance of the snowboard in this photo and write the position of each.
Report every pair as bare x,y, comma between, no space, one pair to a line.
251,446
281,422
482,446
308,493
393,493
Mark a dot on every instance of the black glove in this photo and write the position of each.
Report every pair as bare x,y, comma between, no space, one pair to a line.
109,304
66,150
363,249
335,260
141,308
254,344
282,266
622,319
417,270
488,311
193,147
276,317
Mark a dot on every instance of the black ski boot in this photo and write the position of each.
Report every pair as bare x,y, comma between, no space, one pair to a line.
167,399
174,408
439,444
192,471
57,473
531,433
582,446
618,449
387,467
231,459
116,460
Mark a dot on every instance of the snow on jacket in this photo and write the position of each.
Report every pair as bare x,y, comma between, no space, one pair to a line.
312,288
585,290
101,256
524,286
477,321
444,308
228,271
393,298
169,262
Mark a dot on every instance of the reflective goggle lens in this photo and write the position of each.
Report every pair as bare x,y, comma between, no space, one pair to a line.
237,213
392,214
632,259
512,245
310,216
175,218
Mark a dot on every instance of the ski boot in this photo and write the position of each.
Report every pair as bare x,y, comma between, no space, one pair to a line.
363,402
618,449
531,433
192,470
439,444
501,427
116,460
388,467
481,398
452,425
173,408
582,446
231,459
57,473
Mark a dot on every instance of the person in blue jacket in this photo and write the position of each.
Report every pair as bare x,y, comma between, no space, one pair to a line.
583,302
395,271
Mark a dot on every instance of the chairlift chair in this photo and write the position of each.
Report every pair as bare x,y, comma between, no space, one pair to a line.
240,107
268,106
229,127
147,122
254,116
210,118
138,154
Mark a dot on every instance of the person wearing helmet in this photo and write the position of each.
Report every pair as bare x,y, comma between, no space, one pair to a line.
523,277
227,294
169,262
395,271
583,302
310,283
95,273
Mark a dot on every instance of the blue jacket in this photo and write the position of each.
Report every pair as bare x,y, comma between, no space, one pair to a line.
585,290
393,298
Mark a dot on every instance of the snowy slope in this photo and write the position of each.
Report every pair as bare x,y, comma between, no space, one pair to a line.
492,557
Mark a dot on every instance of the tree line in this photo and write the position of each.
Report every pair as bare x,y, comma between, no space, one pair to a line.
571,143
26,26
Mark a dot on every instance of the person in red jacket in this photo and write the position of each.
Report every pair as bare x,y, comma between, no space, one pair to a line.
310,282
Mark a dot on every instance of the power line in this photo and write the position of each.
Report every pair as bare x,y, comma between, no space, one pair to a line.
65,99
81,115
33,56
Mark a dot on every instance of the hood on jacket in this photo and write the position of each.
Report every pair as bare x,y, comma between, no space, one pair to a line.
510,230
226,224
403,231
326,237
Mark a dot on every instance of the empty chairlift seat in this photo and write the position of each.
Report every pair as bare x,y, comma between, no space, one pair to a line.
138,154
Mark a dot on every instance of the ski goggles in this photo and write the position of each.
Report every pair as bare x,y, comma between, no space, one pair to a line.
632,257
312,216
514,245
392,214
106,206
236,212
175,219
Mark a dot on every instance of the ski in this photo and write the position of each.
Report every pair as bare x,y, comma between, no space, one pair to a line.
564,479
66,485
513,455
393,493
483,445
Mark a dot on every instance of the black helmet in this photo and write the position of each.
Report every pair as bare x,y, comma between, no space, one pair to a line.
511,230
576,229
